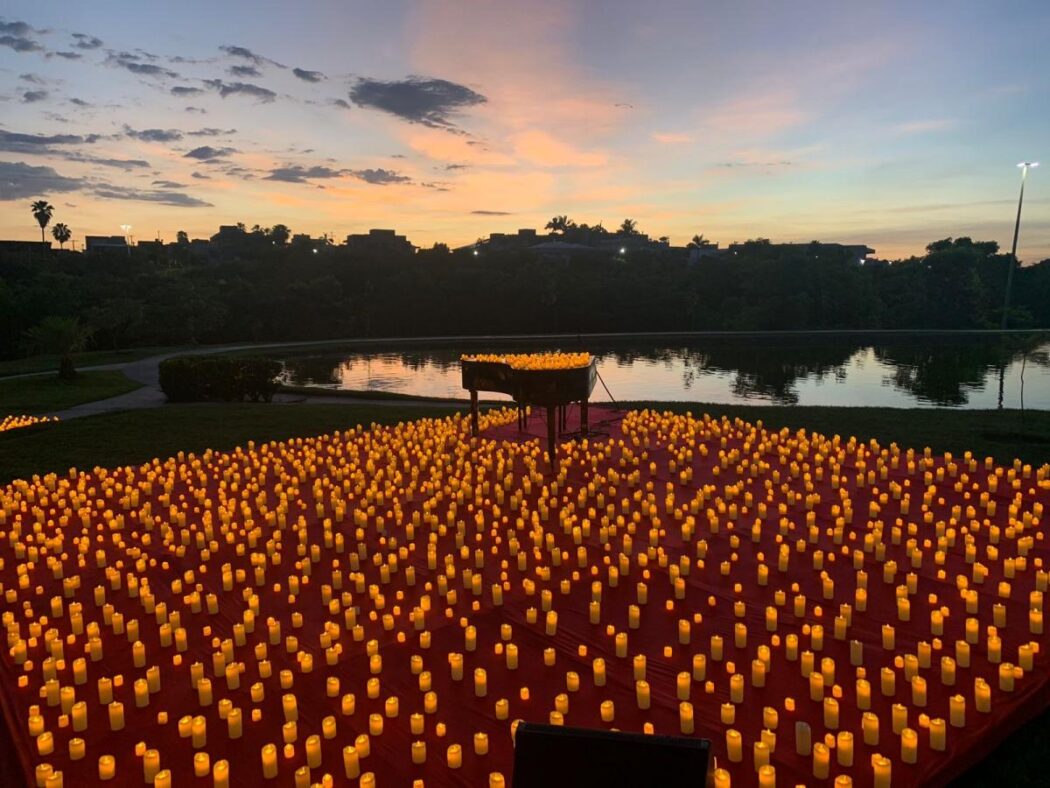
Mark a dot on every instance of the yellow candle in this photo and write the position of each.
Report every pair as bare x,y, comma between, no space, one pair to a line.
918,691
269,761
480,683
107,767
869,724
608,711
598,669
77,749
883,771
899,717
116,716
821,761
683,685
734,746
234,723
831,713
685,717
220,774
1006,677
909,746
844,748
313,751
957,711
202,765
736,688
888,681
982,695
79,716
150,765
419,752
938,735
641,691
351,762
204,695
199,734
454,756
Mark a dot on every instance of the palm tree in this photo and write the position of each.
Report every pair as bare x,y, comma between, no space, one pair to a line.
698,242
62,233
560,224
629,227
62,336
42,211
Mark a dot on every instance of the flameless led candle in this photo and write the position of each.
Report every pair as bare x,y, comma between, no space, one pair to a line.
734,746
909,746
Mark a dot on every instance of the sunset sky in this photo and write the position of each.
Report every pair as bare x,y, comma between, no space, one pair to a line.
888,123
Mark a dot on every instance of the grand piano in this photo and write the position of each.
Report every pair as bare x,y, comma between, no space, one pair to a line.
553,389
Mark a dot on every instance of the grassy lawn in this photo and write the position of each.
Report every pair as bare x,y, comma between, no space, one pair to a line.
46,393
30,364
1002,434
140,435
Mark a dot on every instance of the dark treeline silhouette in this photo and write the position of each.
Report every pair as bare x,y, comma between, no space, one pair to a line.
274,291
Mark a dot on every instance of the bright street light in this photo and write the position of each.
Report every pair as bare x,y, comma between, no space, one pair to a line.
1024,166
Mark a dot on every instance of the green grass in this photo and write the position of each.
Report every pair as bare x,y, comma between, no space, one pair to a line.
137,436
47,393
1002,434
46,363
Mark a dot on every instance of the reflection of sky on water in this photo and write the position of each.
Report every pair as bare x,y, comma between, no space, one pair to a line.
954,372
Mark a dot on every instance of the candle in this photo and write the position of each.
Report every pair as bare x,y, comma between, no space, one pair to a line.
909,746
767,776
888,682
141,693
821,761
641,689
844,748
803,738
77,749
220,774
683,685
816,686
869,724
685,717
899,717
734,746
1006,677
454,756
313,751
957,711
758,673
150,765
202,765
938,735
79,716
598,668
760,754
234,723
480,683
204,695
699,667
608,711
107,767
419,752
45,743
511,654
883,770
863,694
481,743
736,688
375,724
455,662
116,716
199,732
918,691
351,762
982,695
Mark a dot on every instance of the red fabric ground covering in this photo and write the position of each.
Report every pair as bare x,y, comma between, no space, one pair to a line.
43,526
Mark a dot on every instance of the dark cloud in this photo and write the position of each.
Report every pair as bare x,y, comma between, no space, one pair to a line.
341,103
84,41
32,96
297,174
65,55
132,62
244,71
201,176
20,43
252,57
208,153
450,167
15,142
491,213
185,90
429,102
210,132
34,79
154,135
79,102
308,76
149,195
19,180
241,88
120,164
15,28
198,110
380,177
168,184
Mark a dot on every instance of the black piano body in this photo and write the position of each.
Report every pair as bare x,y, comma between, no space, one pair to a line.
552,389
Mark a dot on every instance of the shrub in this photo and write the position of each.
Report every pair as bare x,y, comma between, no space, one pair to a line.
198,378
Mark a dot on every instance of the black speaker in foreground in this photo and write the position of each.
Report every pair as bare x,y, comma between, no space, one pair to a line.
553,756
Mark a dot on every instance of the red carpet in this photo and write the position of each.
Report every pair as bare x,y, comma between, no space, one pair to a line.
375,542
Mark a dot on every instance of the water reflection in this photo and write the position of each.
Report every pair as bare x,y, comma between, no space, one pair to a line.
946,370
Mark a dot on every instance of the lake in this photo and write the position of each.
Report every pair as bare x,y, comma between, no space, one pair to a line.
888,370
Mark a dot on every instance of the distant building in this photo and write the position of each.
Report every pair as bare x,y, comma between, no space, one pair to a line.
104,243
229,234
857,252
13,248
376,242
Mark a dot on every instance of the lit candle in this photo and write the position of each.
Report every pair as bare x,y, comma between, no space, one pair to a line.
598,668
899,717
116,716
150,765
419,752
454,756
234,723
313,751
831,713
938,735
957,711
736,688
888,681
107,767
641,690
844,748
909,746
821,761
918,691
204,695
685,717
982,695
883,771
220,774
77,749
869,724
351,762
608,711
1006,677
199,735
480,683
481,743
734,746
202,765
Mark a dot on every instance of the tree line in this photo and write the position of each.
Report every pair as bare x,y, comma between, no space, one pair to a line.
167,296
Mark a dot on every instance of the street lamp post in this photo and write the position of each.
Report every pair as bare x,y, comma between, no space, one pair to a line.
1024,166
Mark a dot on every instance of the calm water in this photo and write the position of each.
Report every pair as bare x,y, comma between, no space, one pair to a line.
959,371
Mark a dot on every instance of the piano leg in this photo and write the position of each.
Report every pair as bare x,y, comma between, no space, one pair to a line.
552,442
583,418
474,413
